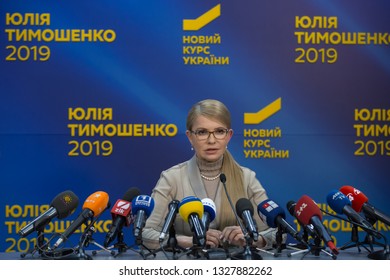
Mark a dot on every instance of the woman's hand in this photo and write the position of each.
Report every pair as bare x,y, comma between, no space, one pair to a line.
213,238
233,235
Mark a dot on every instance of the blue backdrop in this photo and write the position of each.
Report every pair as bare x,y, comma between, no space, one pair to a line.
331,128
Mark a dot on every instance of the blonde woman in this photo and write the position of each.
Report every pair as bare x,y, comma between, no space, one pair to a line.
209,132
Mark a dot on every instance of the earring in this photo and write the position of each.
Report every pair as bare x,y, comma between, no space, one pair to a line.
192,148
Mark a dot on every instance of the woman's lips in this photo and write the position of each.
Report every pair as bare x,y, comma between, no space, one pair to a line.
211,151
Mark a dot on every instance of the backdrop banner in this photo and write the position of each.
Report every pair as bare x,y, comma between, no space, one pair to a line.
95,95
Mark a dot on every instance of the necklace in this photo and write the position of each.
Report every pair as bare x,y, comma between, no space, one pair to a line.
210,178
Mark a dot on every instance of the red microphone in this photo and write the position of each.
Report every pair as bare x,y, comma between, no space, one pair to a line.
360,203
121,215
307,212
122,208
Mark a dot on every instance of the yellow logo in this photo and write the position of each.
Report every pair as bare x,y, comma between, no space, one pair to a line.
263,114
203,20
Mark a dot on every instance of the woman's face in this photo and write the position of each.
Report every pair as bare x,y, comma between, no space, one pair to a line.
210,149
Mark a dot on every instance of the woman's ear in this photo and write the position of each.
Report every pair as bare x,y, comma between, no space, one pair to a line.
189,134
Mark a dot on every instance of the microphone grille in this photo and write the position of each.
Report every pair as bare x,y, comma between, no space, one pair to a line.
65,203
222,177
190,204
356,197
244,204
130,194
143,202
291,207
337,201
305,209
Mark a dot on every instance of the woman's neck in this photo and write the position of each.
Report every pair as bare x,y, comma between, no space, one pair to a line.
209,168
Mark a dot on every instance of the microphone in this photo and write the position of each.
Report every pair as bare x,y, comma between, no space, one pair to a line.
173,208
360,203
209,212
222,177
245,211
191,210
121,215
93,206
307,212
142,205
275,216
308,229
247,254
341,204
61,206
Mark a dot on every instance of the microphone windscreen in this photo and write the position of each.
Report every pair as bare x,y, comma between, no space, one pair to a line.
65,203
305,209
337,201
209,207
356,197
130,194
96,202
190,205
291,207
268,211
242,205
121,208
142,202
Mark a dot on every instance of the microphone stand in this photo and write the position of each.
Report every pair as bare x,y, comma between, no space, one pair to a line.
249,252
39,247
354,242
79,251
279,242
142,246
196,248
121,245
171,245
87,239
315,249
381,254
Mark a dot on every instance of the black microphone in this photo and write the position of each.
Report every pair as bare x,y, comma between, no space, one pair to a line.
121,215
247,254
274,216
61,206
222,177
245,211
93,206
173,209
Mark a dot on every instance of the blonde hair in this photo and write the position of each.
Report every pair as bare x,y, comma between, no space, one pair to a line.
216,110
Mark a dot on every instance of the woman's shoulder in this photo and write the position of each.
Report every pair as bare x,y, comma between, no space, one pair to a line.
177,168
247,171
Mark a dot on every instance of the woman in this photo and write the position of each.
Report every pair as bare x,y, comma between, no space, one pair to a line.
209,132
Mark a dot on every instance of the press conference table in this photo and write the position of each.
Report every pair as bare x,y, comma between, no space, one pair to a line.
285,254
